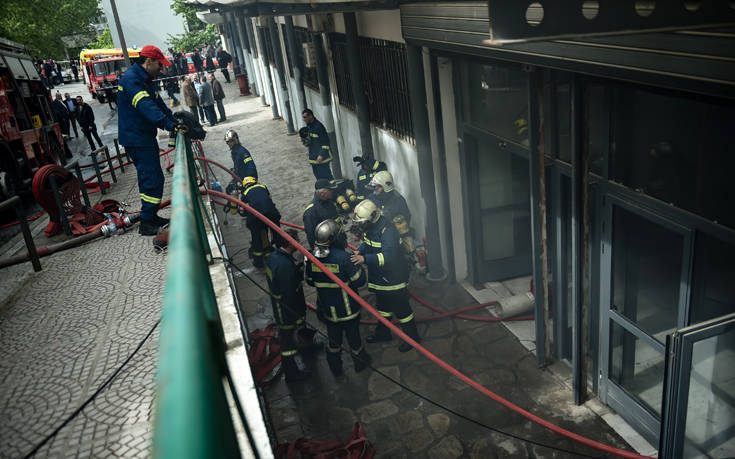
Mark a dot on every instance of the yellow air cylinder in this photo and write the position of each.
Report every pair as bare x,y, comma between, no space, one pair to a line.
342,202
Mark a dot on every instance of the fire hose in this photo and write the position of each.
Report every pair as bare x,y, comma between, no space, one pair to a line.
428,354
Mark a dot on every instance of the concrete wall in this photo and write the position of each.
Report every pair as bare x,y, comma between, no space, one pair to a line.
144,22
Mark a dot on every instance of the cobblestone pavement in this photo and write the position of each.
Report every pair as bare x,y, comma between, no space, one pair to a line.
66,329
399,423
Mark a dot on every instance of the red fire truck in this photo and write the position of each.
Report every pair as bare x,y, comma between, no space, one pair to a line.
29,135
101,68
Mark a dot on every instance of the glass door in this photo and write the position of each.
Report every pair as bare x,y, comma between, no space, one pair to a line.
499,194
645,268
699,420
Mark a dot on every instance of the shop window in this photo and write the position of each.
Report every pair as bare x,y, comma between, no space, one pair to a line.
676,149
713,291
497,100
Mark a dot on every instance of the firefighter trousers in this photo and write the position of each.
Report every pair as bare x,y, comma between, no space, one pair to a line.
335,330
322,171
395,303
150,179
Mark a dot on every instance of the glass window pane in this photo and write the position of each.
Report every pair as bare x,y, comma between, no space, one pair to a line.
498,100
710,419
713,290
636,367
676,149
646,272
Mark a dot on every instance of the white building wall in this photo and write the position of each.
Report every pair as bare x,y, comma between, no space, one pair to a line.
144,22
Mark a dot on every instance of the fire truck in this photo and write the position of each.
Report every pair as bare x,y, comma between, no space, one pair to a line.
30,137
101,67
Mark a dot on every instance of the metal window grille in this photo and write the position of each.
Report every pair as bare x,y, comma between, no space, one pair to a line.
268,49
385,79
309,74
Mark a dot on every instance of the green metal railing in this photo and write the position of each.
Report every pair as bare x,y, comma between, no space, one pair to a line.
192,419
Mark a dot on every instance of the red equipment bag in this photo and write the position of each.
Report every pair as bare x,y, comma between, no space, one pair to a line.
264,354
357,447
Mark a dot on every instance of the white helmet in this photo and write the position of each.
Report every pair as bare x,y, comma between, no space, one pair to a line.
366,212
230,135
384,179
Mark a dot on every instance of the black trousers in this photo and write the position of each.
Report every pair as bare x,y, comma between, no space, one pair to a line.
390,303
73,122
90,131
351,330
226,73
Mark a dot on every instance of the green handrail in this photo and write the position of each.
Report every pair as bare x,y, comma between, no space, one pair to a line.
192,417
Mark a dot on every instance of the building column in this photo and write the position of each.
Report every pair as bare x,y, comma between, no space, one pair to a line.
236,50
298,72
326,100
267,72
361,103
257,56
278,56
420,118
246,61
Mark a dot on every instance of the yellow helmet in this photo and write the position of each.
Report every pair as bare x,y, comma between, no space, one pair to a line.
384,179
249,181
366,212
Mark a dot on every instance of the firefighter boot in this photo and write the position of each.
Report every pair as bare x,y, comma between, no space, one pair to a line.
410,329
361,360
334,360
382,333
293,374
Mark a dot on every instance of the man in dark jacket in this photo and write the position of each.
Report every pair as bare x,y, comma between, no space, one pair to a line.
86,122
321,208
258,197
62,113
223,60
218,93
289,305
75,70
71,104
368,169
141,112
196,59
317,140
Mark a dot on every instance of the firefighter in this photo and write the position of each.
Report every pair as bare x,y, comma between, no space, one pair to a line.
256,195
393,207
387,271
340,312
321,208
314,136
244,165
368,169
289,305
141,112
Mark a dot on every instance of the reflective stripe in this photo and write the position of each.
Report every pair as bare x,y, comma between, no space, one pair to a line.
334,350
257,185
288,353
372,243
316,136
119,88
248,159
138,96
361,177
150,199
358,350
376,164
309,206
326,285
334,314
385,314
269,273
381,260
325,147
330,266
387,288
346,299
324,161
406,319
356,275
350,317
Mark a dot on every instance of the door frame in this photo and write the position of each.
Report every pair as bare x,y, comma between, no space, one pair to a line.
644,420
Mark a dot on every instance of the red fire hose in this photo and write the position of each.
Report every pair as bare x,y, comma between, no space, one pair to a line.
428,354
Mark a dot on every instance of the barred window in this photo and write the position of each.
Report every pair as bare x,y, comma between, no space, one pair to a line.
385,80
266,41
309,76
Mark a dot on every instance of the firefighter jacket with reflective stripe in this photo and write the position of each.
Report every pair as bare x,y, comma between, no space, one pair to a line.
244,164
287,293
384,257
140,110
391,204
365,174
258,197
334,303
316,212
319,143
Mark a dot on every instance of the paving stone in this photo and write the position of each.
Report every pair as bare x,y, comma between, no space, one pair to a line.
499,447
440,328
392,449
447,448
408,422
375,411
380,387
340,419
419,440
392,356
439,423
414,378
442,347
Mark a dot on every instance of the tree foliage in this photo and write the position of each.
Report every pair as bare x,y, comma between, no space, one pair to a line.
193,39
103,41
181,8
40,24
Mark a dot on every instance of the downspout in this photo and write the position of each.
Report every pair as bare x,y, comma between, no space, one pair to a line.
278,56
326,100
358,87
420,118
